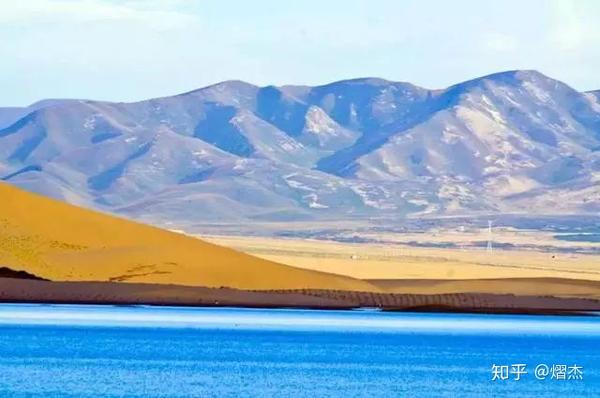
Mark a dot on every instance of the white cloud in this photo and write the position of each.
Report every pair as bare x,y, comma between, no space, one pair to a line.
153,14
135,49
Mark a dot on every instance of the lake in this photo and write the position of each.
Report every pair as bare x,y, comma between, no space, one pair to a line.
119,351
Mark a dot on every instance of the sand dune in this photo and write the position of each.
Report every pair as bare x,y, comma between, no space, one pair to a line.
60,242
63,243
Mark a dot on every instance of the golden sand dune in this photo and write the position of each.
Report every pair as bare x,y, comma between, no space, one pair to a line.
61,242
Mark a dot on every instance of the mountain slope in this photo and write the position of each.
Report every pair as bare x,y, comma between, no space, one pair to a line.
234,152
523,116
65,243
10,115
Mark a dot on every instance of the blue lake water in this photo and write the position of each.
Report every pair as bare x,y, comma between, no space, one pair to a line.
106,351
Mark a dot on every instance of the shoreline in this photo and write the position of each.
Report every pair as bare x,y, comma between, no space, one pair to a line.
413,310
32,291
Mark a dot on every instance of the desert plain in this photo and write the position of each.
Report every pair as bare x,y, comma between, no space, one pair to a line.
84,256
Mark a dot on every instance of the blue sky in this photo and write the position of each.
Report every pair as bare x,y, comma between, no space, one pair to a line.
135,49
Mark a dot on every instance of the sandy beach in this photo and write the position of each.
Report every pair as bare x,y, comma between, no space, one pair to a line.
36,291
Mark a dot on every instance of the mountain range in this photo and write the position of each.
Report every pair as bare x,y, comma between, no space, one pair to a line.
515,142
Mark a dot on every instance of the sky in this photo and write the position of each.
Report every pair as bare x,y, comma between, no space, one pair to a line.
127,50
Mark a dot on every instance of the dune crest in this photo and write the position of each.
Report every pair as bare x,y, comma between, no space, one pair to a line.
62,242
